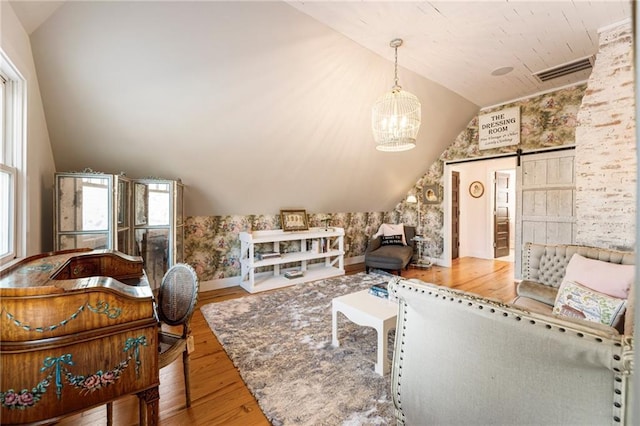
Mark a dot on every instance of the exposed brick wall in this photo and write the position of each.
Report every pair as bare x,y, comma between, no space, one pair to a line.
606,147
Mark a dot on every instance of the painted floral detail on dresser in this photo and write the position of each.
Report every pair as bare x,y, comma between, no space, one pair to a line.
57,370
101,307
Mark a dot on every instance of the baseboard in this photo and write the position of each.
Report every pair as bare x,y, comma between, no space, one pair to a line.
353,260
436,261
219,283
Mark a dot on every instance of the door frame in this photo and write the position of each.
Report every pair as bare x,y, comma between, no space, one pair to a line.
511,208
445,260
488,179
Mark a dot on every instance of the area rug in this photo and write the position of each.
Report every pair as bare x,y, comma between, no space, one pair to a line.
280,342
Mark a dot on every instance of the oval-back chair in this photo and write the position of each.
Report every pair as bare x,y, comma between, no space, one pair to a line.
176,301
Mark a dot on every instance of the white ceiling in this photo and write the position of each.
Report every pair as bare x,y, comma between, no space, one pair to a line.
459,43
261,105
456,43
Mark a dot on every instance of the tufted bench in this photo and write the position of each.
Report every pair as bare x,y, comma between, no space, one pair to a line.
544,267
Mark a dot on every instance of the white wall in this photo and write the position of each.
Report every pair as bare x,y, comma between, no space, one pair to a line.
40,166
254,105
476,214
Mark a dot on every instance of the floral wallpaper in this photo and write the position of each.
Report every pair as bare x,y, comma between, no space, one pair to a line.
212,244
546,121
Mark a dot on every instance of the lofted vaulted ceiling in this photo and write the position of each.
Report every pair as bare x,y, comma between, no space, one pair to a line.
258,106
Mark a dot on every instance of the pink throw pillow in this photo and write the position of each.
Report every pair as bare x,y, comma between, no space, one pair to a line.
608,278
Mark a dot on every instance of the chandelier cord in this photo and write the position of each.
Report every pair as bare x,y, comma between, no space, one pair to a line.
396,70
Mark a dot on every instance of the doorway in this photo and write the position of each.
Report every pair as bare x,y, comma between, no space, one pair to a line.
480,208
544,202
504,207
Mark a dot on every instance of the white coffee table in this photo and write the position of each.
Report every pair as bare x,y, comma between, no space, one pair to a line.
371,311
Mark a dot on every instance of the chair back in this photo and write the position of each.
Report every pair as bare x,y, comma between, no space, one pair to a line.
178,294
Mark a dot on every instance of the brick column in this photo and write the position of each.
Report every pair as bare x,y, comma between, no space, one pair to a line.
606,146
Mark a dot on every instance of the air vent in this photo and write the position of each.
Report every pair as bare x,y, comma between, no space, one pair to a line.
566,69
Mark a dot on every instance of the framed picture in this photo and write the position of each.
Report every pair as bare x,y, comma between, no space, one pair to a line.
294,220
476,189
431,194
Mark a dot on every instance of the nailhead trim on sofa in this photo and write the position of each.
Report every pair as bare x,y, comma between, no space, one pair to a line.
622,358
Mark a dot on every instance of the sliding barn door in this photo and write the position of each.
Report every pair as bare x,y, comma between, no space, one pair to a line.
545,201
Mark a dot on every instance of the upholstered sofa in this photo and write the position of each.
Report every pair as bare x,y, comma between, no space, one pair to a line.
544,267
391,257
463,359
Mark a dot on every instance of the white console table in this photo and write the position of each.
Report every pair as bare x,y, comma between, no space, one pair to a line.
325,260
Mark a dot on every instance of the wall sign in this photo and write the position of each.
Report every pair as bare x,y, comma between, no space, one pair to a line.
499,128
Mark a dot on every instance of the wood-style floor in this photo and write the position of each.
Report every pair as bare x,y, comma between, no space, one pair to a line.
220,397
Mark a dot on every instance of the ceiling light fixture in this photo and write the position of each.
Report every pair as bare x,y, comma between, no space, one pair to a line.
395,118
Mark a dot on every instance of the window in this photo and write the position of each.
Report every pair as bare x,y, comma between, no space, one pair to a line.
11,161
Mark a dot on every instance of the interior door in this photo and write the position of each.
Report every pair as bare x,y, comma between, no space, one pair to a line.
501,214
545,201
455,215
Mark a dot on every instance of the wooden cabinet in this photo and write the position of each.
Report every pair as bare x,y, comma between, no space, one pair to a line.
92,210
158,223
78,330
267,257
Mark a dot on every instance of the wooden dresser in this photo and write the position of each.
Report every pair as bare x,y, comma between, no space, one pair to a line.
77,329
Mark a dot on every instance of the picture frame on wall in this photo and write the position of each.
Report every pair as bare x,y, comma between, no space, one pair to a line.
476,189
431,194
294,220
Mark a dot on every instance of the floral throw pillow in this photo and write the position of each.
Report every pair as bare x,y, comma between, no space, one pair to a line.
577,301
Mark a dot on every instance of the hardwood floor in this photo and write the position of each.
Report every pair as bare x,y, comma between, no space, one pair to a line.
220,397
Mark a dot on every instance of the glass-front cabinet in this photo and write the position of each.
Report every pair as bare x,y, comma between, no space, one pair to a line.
92,210
158,219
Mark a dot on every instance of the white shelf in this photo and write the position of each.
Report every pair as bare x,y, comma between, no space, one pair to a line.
280,235
264,281
295,257
331,260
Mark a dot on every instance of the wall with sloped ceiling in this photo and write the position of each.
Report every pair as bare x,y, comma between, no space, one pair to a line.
599,118
547,120
254,105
